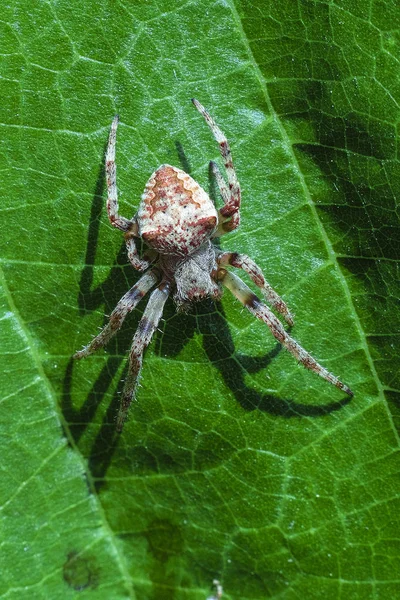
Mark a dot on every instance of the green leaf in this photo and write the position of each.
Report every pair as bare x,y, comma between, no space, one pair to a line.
236,463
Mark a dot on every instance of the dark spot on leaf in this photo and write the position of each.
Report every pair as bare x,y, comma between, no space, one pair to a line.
165,539
81,571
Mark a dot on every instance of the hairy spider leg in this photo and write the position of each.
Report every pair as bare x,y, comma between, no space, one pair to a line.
224,225
128,226
231,196
147,326
127,303
244,294
111,172
247,264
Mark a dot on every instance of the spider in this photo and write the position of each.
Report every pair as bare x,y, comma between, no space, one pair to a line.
177,221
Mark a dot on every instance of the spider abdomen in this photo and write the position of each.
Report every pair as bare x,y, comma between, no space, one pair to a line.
175,215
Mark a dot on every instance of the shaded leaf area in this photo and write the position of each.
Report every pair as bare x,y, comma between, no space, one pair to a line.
337,96
236,463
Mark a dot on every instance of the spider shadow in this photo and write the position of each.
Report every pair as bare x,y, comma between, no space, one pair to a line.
120,278
207,318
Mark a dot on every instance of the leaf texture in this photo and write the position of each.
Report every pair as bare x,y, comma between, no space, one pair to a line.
235,463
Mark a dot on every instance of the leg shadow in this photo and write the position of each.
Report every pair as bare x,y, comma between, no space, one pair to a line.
208,318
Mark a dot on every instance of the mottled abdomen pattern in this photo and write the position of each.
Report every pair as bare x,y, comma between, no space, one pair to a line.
175,215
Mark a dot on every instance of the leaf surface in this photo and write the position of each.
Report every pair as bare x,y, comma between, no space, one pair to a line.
236,463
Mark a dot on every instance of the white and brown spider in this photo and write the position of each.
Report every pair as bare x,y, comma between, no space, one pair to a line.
178,221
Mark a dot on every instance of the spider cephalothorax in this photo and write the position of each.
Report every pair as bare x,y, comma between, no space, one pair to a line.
193,275
177,221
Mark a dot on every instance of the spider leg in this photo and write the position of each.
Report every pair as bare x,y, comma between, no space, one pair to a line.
230,193
262,312
242,261
111,172
147,326
140,264
225,225
127,303
128,226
